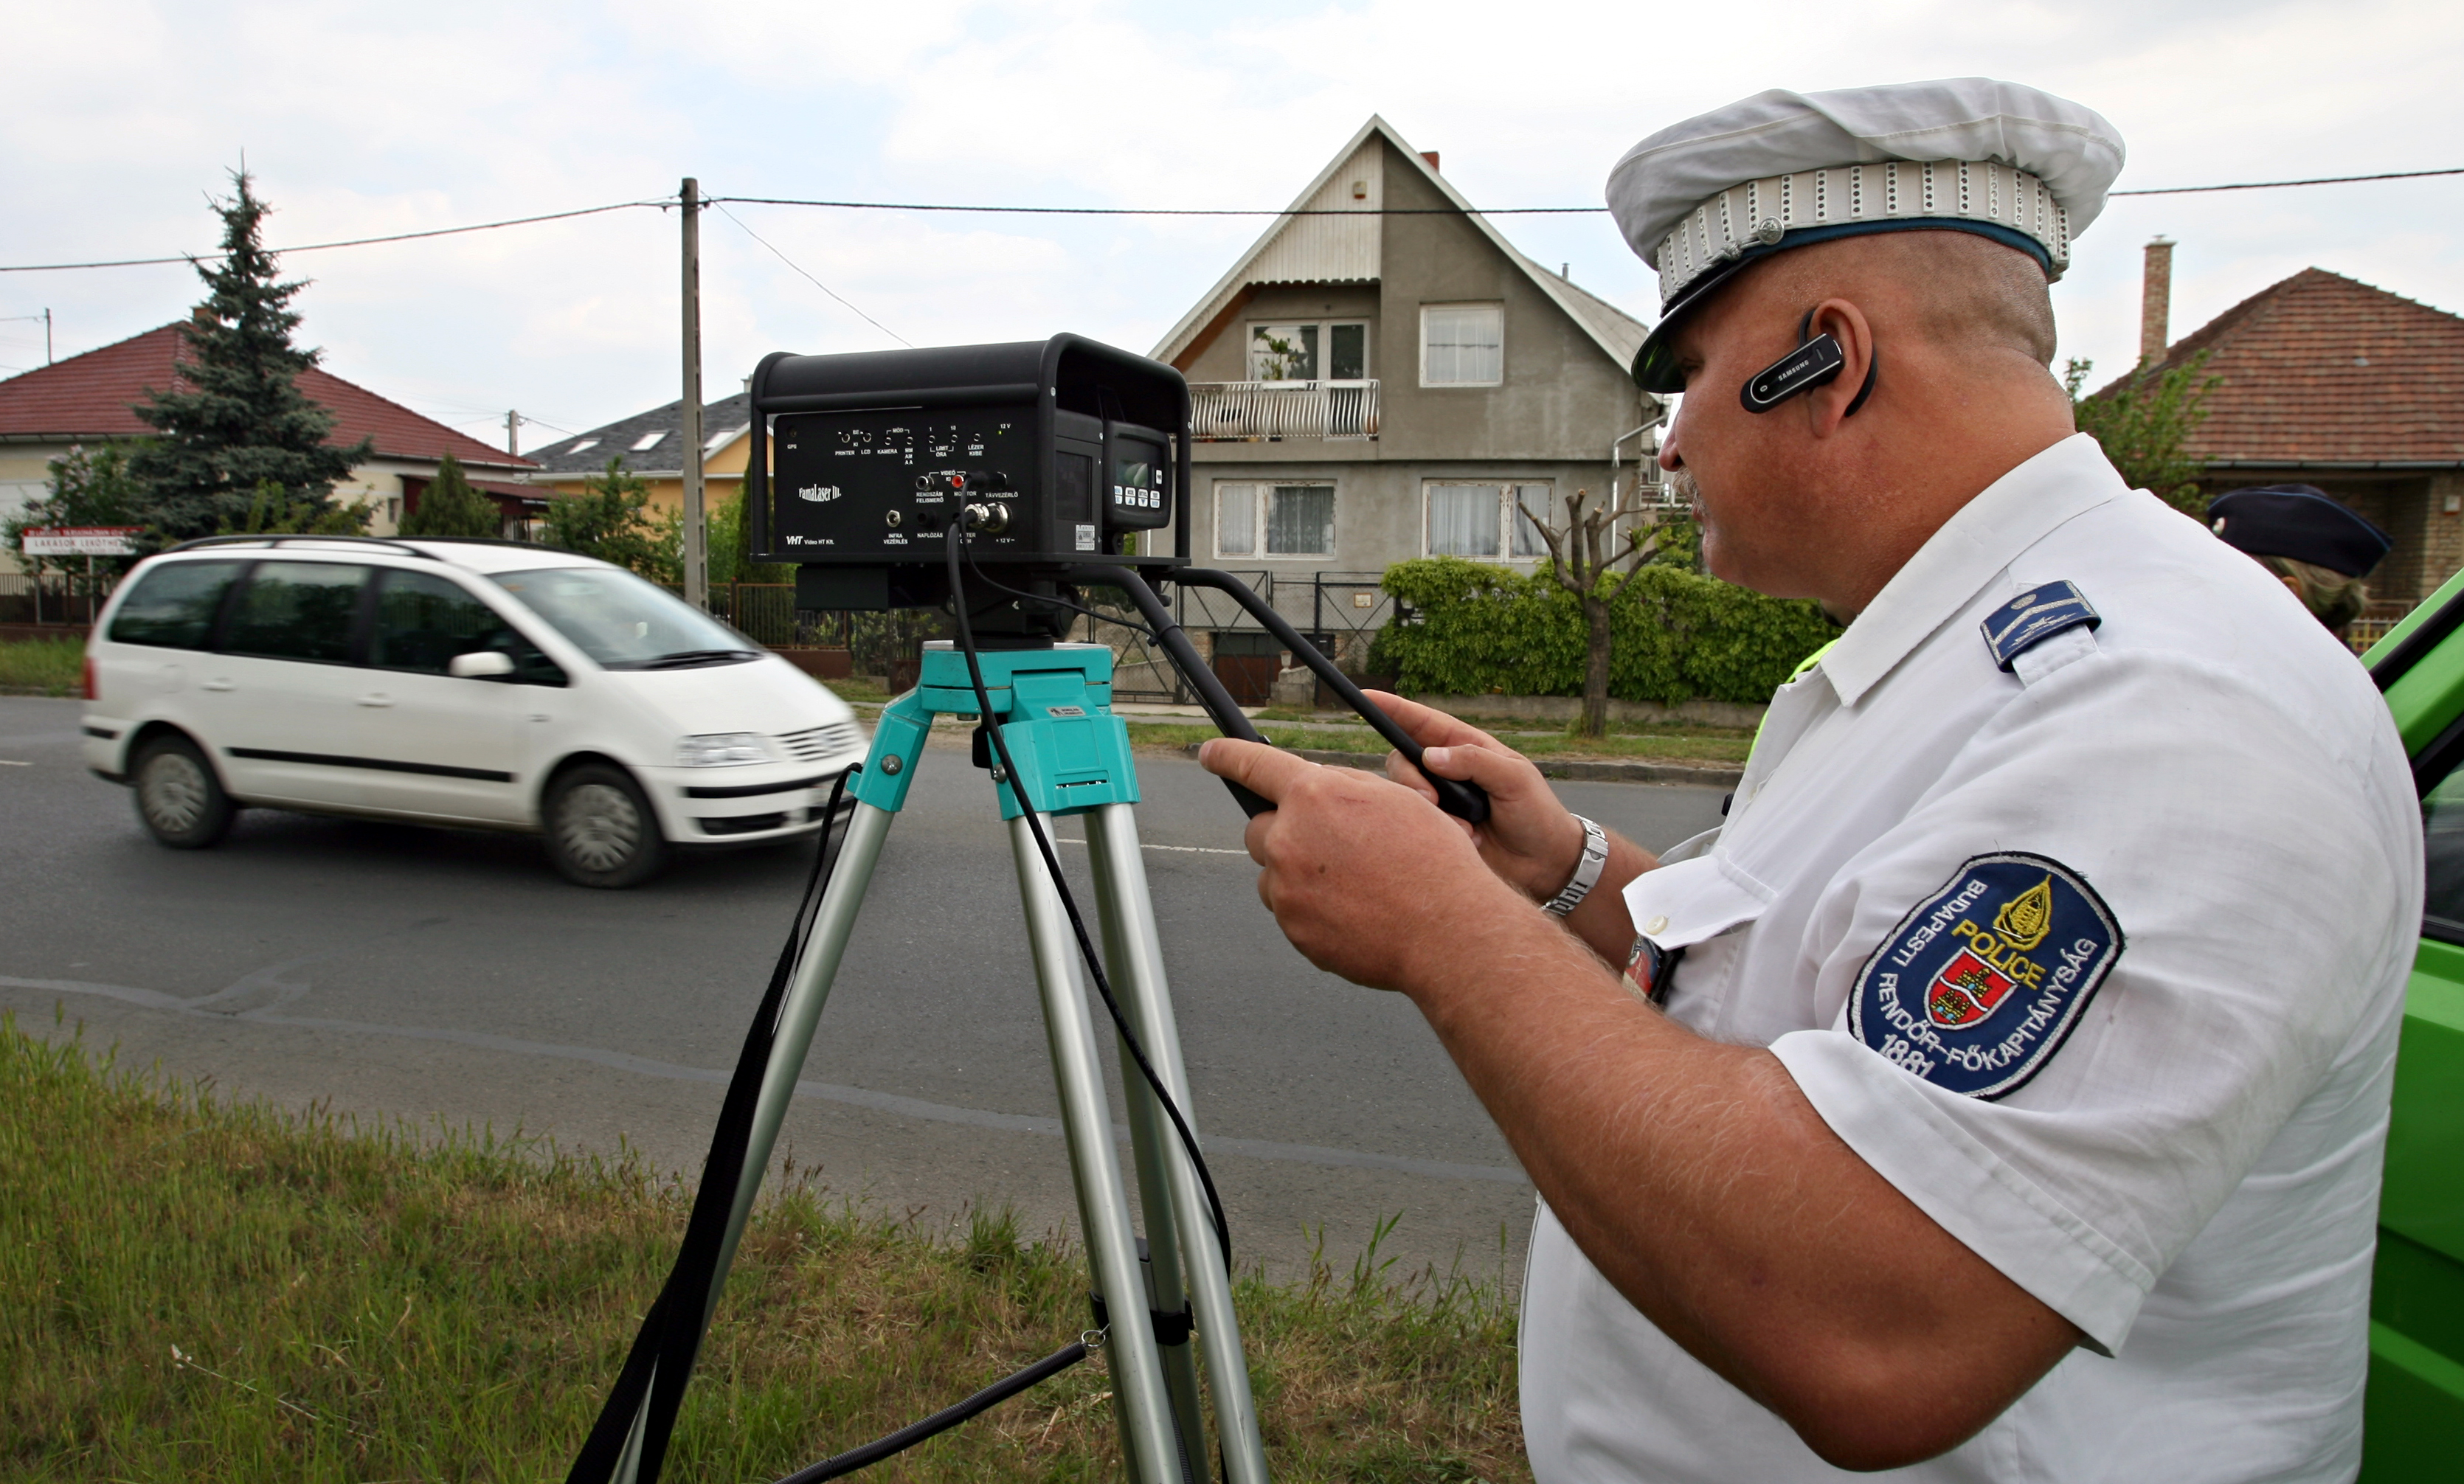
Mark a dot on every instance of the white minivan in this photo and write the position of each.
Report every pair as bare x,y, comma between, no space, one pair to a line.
484,684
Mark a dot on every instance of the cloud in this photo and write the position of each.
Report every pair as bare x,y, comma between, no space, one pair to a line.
363,119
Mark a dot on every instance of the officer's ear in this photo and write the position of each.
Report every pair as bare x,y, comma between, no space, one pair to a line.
1829,406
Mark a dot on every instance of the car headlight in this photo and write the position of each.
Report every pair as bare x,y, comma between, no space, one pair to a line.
722,750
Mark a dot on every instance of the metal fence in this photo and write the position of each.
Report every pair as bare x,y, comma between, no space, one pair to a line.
1339,612
68,597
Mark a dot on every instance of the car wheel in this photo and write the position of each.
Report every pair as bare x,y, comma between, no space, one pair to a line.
179,799
599,829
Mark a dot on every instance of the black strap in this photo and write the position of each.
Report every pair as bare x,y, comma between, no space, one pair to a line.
662,1358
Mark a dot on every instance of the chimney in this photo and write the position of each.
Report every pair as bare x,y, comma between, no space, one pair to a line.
2156,302
201,316
1431,156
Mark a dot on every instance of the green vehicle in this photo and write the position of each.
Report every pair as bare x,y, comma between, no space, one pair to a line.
2415,1407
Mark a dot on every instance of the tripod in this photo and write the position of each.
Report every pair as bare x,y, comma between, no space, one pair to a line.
1072,756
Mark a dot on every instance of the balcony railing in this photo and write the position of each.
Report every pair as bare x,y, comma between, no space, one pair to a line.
1272,411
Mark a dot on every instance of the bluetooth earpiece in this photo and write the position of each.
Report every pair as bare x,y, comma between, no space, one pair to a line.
1815,362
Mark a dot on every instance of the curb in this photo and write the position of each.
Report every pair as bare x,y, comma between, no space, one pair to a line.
1572,769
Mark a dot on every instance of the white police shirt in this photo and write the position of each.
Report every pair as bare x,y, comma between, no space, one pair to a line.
2098,959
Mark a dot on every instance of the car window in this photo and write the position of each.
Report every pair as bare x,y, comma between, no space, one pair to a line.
297,610
623,622
423,620
173,605
2442,839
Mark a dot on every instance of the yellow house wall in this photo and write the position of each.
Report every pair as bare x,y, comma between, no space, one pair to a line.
722,478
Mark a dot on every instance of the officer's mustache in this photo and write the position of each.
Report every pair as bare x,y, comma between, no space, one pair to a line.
1681,484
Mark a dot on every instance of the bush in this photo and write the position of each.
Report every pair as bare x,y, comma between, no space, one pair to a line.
451,507
1680,636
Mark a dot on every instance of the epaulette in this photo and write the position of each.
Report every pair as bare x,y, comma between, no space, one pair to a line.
2034,617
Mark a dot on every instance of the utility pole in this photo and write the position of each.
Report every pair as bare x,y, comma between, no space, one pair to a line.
696,526
514,433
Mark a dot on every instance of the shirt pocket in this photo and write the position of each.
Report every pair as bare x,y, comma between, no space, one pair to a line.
1692,911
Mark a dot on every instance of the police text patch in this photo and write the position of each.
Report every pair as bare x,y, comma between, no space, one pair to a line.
1979,984
2034,617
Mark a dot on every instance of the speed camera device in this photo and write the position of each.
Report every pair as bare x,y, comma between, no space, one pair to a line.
1057,452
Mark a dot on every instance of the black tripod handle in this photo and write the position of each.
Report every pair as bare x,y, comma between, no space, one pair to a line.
1467,802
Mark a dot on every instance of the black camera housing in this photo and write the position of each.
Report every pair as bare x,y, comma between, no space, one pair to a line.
1069,447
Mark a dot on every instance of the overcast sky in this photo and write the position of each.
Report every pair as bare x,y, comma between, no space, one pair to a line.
361,119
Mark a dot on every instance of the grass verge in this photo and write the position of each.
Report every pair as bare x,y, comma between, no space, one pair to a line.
44,666
199,1288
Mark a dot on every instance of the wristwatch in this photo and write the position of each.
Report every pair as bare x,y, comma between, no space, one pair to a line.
1587,871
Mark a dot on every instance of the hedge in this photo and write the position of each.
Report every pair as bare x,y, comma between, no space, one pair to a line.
1677,635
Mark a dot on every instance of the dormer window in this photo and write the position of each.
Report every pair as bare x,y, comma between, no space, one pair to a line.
649,441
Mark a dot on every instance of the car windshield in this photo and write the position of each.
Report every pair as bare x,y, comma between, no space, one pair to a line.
623,622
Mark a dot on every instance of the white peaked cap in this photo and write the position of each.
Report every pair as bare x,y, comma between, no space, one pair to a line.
1701,199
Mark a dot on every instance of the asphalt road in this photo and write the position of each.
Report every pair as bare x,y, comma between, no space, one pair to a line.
451,976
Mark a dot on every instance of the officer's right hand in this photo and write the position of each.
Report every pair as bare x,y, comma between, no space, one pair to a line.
1530,839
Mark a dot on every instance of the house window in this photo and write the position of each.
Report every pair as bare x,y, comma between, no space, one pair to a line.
1323,351
1274,520
648,440
1486,521
1463,344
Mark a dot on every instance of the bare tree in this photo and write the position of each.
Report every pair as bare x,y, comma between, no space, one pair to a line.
1583,555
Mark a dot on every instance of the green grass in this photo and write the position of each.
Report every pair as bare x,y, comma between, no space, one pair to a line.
199,1288
46,667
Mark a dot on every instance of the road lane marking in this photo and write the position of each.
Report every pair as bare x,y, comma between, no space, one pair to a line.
10,762
890,1103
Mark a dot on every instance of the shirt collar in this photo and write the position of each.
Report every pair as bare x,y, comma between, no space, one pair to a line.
1980,539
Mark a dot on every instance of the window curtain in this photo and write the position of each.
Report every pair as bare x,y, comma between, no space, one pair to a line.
1236,520
1464,345
1300,521
1534,501
1463,520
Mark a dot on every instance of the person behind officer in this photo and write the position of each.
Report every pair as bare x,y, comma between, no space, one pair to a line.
1999,1090
2320,550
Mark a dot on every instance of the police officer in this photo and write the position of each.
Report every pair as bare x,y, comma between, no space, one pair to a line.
1999,1092
2321,550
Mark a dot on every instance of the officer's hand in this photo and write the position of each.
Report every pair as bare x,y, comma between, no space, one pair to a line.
1530,841
1367,880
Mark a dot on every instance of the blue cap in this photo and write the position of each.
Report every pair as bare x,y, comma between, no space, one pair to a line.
2299,522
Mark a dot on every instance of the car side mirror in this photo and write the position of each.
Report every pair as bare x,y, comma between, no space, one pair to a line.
479,665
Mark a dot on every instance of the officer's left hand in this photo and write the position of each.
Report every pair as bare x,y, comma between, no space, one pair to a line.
1367,879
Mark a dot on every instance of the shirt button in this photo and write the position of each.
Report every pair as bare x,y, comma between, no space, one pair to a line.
1655,924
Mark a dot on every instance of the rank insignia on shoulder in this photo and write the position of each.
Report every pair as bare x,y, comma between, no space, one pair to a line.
1979,985
2034,617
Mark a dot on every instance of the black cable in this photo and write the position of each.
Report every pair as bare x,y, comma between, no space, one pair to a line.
1070,905
356,242
1061,602
942,1421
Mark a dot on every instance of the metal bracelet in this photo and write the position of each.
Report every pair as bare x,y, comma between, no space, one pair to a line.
1587,870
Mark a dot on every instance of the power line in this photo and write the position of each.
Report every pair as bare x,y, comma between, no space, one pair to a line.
2324,179
355,242
918,206
1026,210
816,282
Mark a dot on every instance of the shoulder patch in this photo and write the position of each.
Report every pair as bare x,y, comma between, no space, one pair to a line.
1979,985
2034,617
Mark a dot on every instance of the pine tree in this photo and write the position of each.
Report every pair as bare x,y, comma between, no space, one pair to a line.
449,506
236,419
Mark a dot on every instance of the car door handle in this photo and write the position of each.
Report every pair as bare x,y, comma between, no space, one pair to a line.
217,683
376,698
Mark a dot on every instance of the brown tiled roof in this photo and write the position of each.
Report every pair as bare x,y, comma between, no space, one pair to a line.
2323,370
88,396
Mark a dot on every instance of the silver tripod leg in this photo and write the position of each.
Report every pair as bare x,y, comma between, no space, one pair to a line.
1180,1230
1103,1199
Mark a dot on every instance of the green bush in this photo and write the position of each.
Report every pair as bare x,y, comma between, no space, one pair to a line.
1679,635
